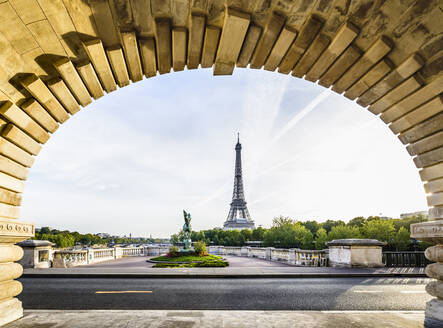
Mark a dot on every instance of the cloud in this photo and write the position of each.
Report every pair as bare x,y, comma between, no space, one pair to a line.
131,161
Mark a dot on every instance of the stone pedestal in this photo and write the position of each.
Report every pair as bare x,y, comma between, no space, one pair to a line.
356,253
268,253
37,253
432,231
291,256
11,232
249,251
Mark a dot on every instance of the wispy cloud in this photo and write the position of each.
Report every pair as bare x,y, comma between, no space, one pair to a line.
134,159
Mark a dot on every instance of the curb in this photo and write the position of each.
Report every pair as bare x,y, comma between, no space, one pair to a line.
220,276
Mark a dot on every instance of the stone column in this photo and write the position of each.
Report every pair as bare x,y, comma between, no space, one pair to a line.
11,232
268,253
432,231
291,257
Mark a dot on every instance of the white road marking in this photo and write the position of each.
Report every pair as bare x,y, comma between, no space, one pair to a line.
413,292
124,292
367,291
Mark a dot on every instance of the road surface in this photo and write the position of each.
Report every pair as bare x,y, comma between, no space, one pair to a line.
225,294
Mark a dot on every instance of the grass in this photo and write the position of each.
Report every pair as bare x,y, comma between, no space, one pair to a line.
208,261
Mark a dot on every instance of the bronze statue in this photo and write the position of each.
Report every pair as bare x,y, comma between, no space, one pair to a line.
187,230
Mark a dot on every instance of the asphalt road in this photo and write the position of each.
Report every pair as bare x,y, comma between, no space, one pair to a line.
226,294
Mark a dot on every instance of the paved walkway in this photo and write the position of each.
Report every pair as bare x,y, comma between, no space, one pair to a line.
242,267
219,319
234,262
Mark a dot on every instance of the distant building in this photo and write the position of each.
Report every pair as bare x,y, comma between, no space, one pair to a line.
238,217
405,215
103,235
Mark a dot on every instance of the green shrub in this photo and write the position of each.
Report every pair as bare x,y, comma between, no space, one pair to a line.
166,265
173,251
200,248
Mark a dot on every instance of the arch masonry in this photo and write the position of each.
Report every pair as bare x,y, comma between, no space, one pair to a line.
57,56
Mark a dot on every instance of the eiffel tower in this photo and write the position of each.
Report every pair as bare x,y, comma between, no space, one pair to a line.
238,217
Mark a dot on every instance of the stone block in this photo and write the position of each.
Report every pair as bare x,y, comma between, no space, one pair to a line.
210,44
147,51
118,65
356,253
435,199
10,271
249,44
268,38
436,213
12,231
10,288
434,253
435,270
179,38
435,288
235,27
72,79
268,253
434,314
37,253
130,47
96,53
90,79
432,172
10,310
430,231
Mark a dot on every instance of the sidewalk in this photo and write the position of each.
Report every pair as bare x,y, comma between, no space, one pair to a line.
228,272
219,319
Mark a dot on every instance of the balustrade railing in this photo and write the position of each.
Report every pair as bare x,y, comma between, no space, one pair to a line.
292,256
133,251
311,257
69,258
259,252
279,254
405,259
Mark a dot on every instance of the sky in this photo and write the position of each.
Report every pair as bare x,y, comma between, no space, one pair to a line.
133,160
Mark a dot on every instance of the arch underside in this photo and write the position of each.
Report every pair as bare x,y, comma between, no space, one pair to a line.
57,56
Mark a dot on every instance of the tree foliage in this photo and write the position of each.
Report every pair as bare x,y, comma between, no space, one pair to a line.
287,232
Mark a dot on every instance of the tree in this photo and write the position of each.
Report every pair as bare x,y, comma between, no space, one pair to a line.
402,239
258,233
287,233
321,238
382,230
312,226
247,234
45,230
331,223
344,232
358,221
282,221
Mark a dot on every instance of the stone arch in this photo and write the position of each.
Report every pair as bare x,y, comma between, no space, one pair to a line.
56,56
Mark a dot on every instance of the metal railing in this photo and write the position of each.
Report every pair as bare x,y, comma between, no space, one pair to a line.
405,259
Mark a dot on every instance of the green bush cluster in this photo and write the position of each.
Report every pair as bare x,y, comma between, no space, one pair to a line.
173,251
208,261
66,238
200,248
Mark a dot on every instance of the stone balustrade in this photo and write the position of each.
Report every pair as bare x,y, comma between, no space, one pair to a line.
70,258
292,256
66,258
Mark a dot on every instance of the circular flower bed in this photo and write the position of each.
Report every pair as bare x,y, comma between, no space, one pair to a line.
189,261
